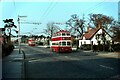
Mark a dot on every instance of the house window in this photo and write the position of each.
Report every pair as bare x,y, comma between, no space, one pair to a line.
92,42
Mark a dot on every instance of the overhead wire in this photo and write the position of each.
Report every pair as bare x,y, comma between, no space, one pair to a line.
46,11
15,8
94,7
49,9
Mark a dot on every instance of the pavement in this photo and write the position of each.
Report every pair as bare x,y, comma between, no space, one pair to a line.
109,54
101,54
12,65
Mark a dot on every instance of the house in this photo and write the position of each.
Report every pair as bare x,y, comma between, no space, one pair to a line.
42,40
95,36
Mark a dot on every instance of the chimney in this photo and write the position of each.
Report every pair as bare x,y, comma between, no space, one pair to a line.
88,29
99,26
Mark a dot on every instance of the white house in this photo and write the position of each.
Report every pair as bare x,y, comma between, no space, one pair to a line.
94,36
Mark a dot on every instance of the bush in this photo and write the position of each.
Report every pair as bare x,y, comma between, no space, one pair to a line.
7,49
95,47
116,47
103,47
86,47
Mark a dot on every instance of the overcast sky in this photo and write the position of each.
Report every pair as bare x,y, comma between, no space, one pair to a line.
53,11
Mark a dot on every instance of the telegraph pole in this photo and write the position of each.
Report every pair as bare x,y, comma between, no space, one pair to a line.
19,38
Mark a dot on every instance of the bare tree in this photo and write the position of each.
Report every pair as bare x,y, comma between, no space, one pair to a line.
50,29
101,21
76,25
116,31
9,24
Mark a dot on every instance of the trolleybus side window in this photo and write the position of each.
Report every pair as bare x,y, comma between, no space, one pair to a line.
56,43
53,43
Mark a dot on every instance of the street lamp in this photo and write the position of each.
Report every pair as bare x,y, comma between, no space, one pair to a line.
19,39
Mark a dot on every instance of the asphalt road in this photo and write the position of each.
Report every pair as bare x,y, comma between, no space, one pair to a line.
41,63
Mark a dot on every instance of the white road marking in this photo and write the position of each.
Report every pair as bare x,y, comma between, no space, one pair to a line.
10,61
66,56
35,60
71,58
17,58
107,67
30,61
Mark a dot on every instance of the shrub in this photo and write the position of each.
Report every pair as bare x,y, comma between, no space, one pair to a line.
116,47
86,47
7,49
95,47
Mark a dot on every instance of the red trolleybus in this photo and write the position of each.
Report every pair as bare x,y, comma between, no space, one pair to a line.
31,42
61,42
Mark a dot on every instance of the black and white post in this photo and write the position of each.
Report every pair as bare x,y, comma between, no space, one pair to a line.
19,37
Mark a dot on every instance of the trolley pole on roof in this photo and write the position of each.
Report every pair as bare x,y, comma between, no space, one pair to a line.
19,37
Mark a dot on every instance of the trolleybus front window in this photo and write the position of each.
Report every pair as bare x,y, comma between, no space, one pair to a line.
63,43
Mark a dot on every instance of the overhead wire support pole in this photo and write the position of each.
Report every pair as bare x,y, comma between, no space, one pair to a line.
19,39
